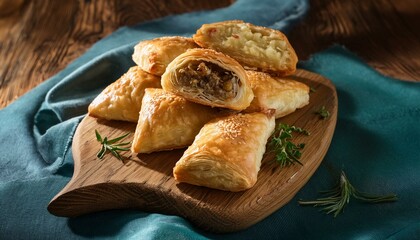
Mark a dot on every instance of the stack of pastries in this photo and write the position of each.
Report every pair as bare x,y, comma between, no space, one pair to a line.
217,93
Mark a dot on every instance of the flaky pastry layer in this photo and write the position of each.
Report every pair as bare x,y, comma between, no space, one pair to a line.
280,93
227,152
121,100
173,80
168,121
253,46
153,56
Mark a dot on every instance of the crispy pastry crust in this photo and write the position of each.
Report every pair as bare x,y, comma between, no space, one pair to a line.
171,82
227,152
282,94
168,121
154,55
121,100
253,46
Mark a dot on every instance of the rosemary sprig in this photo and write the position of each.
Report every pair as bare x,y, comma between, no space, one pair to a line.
286,152
111,145
340,196
323,112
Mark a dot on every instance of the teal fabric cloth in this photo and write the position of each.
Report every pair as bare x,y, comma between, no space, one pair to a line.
376,142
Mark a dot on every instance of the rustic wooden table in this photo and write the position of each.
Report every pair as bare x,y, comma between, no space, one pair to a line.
39,38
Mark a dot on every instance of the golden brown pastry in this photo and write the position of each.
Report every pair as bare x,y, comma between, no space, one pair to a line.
168,121
154,55
253,46
227,152
210,78
282,94
122,99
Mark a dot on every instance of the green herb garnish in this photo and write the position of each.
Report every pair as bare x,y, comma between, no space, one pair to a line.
340,196
112,145
287,153
312,89
323,112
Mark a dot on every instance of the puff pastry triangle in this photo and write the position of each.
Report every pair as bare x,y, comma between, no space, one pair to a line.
227,152
153,56
168,121
253,46
122,99
208,77
280,93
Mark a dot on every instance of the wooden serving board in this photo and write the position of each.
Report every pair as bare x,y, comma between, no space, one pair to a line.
145,181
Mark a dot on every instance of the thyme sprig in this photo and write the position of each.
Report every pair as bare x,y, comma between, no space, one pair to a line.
323,112
112,146
286,152
341,194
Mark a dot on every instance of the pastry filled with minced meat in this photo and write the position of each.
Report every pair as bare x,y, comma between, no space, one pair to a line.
210,78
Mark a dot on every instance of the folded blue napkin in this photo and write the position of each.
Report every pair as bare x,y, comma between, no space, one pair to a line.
376,142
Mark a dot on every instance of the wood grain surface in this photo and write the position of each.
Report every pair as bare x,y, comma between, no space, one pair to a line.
384,33
146,182
39,38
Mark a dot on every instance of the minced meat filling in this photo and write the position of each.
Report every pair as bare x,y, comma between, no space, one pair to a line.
210,78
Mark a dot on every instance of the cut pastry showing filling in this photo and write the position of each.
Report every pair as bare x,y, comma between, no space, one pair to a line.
153,56
168,121
253,46
122,99
210,78
227,152
280,93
